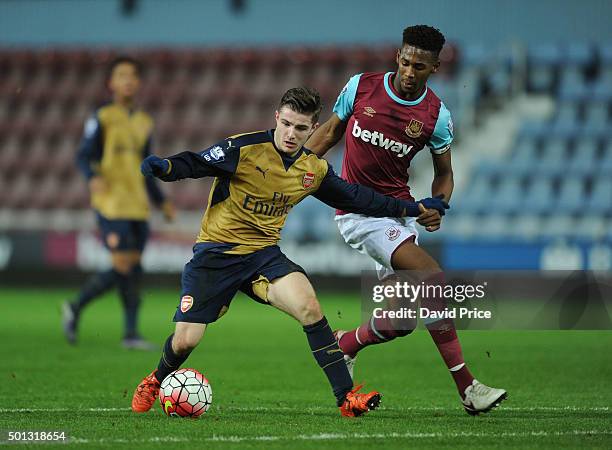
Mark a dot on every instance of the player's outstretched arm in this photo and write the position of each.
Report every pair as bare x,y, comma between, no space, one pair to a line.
355,198
219,160
326,136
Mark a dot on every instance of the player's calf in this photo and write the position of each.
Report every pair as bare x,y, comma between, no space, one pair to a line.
375,331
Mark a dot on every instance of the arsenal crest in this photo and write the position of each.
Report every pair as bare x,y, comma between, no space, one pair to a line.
414,128
308,180
186,303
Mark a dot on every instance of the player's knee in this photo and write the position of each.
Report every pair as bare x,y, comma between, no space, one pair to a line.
186,337
126,263
310,311
183,343
122,266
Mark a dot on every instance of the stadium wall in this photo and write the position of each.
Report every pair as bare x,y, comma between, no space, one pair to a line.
65,257
274,22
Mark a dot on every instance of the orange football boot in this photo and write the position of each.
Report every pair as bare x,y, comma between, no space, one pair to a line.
357,404
146,393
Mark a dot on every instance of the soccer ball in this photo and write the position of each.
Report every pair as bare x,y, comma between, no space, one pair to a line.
185,393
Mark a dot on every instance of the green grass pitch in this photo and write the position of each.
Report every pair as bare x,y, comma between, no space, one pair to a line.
269,392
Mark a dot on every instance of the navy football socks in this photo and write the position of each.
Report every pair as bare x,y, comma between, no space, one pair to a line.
330,358
130,296
94,287
169,361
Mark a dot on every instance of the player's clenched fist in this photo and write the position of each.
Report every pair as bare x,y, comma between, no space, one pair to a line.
430,217
153,166
436,203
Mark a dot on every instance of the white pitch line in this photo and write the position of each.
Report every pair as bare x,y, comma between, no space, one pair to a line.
344,436
322,408
315,408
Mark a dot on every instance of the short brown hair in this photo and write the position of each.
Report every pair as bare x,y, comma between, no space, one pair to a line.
124,59
303,100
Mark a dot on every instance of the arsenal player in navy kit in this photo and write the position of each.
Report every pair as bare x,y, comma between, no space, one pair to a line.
388,118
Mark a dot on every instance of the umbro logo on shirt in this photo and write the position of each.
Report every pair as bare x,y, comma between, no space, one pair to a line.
369,111
379,139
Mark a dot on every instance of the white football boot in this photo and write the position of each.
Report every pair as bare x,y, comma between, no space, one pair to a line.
350,362
480,398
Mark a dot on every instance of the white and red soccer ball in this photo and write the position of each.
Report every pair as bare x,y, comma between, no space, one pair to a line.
185,393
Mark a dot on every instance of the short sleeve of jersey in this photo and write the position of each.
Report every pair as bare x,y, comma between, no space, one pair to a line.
344,104
442,136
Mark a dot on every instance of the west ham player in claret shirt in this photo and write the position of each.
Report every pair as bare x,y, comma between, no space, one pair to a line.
388,118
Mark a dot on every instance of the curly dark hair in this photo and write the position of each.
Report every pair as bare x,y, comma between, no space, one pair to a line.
303,100
424,37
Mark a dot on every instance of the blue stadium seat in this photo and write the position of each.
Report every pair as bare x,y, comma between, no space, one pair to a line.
520,166
571,196
523,156
527,147
461,225
527,226
558,226
597,112
532,129
553,158
568,112
509,197
540,196
584,157
594,129
605,163
600,199
489,168
543,61
494,226
500,81
602,90
565,131
605,53
590,227
574,89
545,54
579,54
541,78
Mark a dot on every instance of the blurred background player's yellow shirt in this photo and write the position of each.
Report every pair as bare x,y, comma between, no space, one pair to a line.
124,139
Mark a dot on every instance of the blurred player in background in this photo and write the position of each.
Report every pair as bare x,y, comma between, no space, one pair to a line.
259,178
390,117
116,139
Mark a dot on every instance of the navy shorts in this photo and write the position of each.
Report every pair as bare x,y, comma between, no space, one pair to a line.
212,278
123,234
